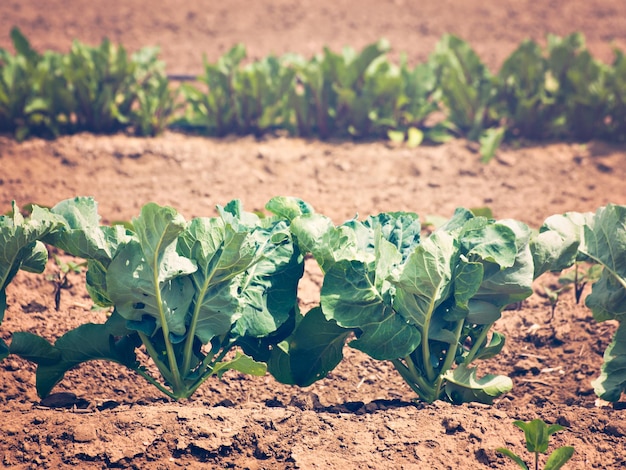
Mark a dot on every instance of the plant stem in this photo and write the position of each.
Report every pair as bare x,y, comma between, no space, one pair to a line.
153,353
477,344
177,384
412,380
450,356
151,379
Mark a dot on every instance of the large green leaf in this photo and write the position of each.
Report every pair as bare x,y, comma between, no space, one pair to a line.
559,457
221,253
82,235
34,348
426,279
492,242
288,207
350,297
148,280
310,352
612,380
316,234
20,245
503,285
85,343
141,295
22,46
269,287
4,349
514,457
556,245
605,243
401,229
241,363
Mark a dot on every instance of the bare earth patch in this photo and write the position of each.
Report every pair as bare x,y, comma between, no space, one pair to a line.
362,415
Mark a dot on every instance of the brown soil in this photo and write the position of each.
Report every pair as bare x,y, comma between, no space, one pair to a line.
362,415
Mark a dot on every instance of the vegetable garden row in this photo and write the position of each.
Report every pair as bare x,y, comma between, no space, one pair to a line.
218,293
557,92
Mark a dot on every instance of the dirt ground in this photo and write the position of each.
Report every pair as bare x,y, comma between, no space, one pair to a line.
362,415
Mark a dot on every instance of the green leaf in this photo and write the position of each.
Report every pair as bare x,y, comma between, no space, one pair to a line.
35,260
21,248
516,458
537,434
82,235
467,280
148,279
310,352
558,458
157,228
426,279
396,136
482,313
401,229
22,46
4,350
493,242
493,348
605,243
463,386
316,234
34,348
269,288
350,297
556,245
490,140
288,207
414,137
221,253
85,343
503,285
241,363
138,292
612,380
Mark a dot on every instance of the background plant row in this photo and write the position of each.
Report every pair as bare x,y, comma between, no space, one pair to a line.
556,92
196,294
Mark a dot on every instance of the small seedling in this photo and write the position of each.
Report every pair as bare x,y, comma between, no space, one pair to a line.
580,276
553,296
60,278
537,434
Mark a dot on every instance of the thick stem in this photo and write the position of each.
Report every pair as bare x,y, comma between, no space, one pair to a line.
428,368
165,372
207,367
177,384
450,356
414,381
151,379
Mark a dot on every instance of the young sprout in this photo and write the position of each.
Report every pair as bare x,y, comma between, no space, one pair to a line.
60,278
553,296
579,276
537,434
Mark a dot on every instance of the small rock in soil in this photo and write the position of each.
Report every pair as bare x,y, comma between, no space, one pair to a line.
85,433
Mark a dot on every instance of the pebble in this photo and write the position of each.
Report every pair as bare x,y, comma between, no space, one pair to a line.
85,433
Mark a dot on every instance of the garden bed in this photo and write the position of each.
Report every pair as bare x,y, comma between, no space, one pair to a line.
362,415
